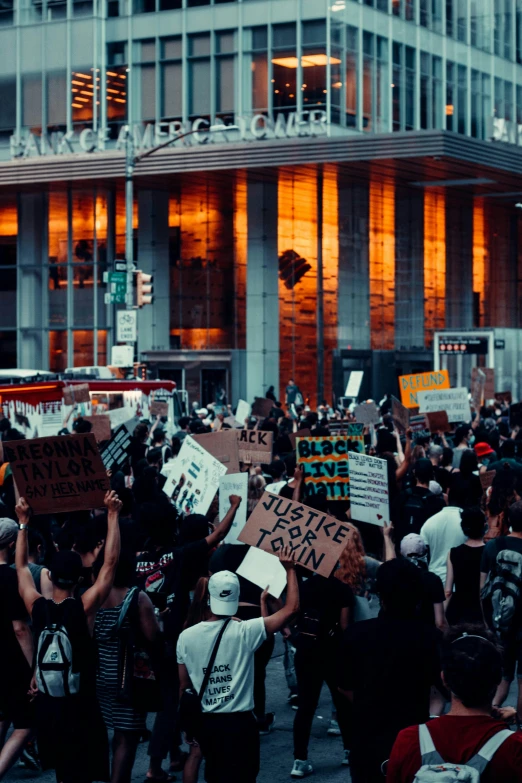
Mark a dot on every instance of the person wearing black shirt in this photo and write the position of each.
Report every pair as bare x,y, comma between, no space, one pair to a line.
414,506
324,614
387,667
167,573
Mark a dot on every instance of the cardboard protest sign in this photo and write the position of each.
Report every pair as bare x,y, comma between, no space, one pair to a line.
193,478
243,411
52,420
262,407
79,392
117,450
299,434
400,415
325,464
255,446
454,401
62,473
411,385
159,408
317,539
437,421
478,385
488,373
233,484
369,496
367,413
487,478
355,434
223,446
101,427
418,424
231,421
263,570
504,397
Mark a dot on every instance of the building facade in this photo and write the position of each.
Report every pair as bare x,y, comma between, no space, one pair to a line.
367,196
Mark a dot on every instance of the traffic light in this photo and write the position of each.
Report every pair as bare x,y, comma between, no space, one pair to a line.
144,288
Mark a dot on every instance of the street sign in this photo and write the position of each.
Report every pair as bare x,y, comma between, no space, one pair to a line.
117,282
122,355
126,326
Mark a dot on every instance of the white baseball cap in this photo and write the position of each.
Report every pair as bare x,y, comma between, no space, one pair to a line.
223,587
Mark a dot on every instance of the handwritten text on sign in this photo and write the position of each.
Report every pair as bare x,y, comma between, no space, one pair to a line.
325,465
255,446
317,539
369,498
63,473
410,385
454,401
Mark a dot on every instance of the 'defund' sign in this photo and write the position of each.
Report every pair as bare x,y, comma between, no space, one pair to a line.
410,385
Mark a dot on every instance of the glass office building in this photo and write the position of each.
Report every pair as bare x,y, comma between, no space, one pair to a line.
368,196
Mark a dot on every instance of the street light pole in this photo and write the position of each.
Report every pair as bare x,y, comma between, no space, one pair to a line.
131,159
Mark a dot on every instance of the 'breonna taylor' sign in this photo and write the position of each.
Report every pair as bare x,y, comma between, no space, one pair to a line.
317,539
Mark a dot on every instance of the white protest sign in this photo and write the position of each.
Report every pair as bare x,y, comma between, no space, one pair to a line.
369,497
122,355
264,570
51,422
243,411
354,383
121,416
454,401
234,484
126,326
201,473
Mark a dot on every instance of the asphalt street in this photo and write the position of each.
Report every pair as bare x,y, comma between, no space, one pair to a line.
325,752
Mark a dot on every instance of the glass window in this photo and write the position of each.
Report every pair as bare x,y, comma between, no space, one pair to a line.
170,5
451,96
32,102
283,35
396,86
171,48
144,6
284,69
82,7
519,104
409,103
58,351
476,104
313,65
225,85
437,102
7,106
314,32
425,89
508,101
8,356
171,82
499,98
8,257
199,88
462,19
424,12
486,104
497,36
508,28
449,18
351,77
461,98
82,97
436,15
226,42
255,69
518,29
199,45
116,90
56,100
148,79
6,13
259,37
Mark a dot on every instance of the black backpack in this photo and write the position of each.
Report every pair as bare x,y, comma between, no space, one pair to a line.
415,511
502,592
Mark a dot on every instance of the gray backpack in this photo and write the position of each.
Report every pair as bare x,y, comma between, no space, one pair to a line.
435,770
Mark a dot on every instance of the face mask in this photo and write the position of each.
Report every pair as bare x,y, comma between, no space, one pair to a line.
472,440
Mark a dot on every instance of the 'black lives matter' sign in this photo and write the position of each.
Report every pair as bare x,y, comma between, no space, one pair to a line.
317,539
63,473
255,446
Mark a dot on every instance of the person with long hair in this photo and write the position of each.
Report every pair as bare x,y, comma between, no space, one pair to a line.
357,570
256,487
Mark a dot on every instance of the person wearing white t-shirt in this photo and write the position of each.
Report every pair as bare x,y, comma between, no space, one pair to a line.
440,533
230,739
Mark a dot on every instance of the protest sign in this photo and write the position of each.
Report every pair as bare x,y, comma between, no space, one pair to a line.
418,424
101,427
489,381
159,408
367,413
504,397
61,473
120,416
325,465
478,385
77,393
233,484
117,450
317,539
52,420
223,446
437,421
299,434
255,446
264,570
411,385
400,415
243,411
262,407
355,434
487,478
454,401
231,421
354,383
193,478
369,497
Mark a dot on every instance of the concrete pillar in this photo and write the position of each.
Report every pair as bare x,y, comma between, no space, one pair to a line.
33,351
409,270
459,263
262,298
153,258
354,286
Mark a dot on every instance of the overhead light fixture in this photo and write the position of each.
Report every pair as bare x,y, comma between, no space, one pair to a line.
307,61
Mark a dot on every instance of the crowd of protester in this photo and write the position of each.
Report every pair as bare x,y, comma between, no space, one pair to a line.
134,610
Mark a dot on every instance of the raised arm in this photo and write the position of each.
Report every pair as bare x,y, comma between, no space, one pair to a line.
96,595
299,481
224,526
275,622
403,467
26,586
389,546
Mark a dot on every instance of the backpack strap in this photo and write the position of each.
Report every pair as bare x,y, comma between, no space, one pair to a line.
212,659
481,759
429,753
131,596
